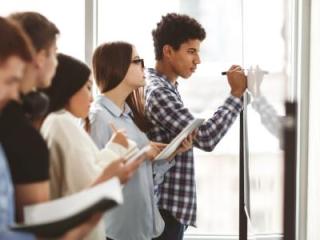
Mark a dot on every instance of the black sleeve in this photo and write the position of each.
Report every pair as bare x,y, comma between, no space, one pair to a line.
26,150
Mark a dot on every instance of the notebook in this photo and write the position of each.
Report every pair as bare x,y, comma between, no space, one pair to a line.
54,218
175,143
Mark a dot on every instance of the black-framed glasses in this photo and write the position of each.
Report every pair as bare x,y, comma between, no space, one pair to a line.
138,61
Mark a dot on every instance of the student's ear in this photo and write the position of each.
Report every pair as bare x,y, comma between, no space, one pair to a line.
167,51
40,58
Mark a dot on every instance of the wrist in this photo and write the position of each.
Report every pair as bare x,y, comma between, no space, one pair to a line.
237,94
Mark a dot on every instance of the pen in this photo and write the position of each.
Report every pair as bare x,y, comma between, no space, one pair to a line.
225,73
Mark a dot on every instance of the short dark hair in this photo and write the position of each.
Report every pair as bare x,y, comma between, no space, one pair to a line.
71,75
14,42
175,29
41,31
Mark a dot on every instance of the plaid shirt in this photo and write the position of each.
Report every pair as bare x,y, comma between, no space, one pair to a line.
165,110
269,117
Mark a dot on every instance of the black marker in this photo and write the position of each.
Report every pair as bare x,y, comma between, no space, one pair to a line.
225,73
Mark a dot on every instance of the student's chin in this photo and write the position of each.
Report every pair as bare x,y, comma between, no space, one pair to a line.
186,76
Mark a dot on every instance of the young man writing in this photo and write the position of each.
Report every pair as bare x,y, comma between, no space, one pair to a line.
177,40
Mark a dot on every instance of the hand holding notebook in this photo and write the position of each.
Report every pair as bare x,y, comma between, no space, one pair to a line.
175,143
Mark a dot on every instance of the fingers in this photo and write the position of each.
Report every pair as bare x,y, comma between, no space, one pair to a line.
83,229
152,153
186,145
194,134
161,146
129,169
119,136
158,144
188,141
132,166
190,138
234,68
155,149
113,127
237,80
120,161
94,219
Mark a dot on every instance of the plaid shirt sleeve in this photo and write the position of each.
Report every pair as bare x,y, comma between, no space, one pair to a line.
269,116
168,111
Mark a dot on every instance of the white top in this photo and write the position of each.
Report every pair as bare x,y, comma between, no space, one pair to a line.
75,161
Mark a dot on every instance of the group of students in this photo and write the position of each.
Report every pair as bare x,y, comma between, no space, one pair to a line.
47,153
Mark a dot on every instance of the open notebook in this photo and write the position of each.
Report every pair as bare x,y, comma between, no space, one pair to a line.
54,218
175,143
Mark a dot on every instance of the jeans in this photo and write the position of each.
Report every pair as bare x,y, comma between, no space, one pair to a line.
173,228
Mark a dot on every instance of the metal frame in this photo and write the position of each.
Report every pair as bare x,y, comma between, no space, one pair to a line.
290,169
302,37
231,237
91,28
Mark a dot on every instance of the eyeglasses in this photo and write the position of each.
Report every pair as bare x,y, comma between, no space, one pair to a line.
138,61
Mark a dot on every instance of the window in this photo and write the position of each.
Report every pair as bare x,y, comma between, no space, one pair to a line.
245,32
217,172
266,42
70,23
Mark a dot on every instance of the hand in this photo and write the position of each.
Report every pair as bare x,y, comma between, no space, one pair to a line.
83,229
120,169
119,136
186,144
130,168
237,80
155,149
255,76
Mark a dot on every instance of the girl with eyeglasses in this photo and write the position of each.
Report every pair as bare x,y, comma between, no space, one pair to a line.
119,74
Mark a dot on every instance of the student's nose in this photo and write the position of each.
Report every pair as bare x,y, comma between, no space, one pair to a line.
197,59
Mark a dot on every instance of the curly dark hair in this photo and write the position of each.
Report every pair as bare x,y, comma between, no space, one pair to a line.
175,29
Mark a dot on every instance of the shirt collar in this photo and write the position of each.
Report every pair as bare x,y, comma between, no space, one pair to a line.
163,78
112,107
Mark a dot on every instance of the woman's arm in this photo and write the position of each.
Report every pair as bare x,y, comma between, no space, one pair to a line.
32,193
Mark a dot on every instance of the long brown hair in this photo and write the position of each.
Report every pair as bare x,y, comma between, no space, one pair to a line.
110,64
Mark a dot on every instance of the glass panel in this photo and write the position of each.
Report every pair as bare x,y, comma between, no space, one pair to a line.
266,43
217,172
71,25
119,23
